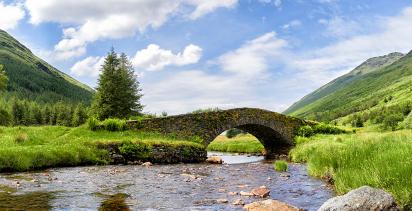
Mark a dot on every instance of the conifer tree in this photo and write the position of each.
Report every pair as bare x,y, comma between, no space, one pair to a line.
17,112
3,78
79,115
118,93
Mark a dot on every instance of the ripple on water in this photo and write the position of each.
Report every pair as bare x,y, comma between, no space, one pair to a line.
180,186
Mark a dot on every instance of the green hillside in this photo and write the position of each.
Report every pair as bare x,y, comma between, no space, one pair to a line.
34,79
378,82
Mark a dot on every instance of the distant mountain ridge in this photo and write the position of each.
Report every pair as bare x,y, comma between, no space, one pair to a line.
32,78
359,89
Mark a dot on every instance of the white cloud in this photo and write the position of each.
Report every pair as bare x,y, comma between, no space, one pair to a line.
111,19
89,66
277,3
186,91
10,15
292,24
235,85
253,57
154,58
203,7
340,27
323,64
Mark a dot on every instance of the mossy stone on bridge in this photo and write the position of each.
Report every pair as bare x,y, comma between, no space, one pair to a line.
275,131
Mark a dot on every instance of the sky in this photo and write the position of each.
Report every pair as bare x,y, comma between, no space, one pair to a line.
192,54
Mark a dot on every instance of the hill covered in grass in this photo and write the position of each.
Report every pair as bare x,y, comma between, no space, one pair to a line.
33,79
377,85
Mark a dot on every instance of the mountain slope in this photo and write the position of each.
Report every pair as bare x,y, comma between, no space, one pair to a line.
34,79
364,87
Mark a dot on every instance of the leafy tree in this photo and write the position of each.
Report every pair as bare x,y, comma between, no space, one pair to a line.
3,78
391,121
118,93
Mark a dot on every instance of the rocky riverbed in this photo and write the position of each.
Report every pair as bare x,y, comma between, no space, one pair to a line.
162,187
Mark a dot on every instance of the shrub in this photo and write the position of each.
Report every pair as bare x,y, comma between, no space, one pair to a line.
280,165
134,151
108,124
93,124
231,133
21,138
114,125
327,129
407,122
357,122
305,131
391,121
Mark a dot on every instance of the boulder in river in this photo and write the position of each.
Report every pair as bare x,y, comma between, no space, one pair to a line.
222,201
363,198
262,192
214,160
270,205
147,164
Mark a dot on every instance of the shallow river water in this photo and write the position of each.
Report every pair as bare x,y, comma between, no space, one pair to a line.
160,187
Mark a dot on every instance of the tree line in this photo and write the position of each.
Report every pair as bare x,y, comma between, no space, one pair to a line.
24,112
117,96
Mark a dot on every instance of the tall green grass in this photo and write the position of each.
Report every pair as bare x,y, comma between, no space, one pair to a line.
240,144
29,148
382,160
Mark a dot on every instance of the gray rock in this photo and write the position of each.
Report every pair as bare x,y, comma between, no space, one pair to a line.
362,199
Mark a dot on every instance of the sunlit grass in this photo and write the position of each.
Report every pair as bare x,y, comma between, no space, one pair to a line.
382,160
28,148
240,144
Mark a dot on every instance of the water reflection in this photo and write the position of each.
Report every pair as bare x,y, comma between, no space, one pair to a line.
116,202
27,201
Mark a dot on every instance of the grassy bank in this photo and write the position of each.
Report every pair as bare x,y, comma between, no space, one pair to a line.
382,160
241,144
28,148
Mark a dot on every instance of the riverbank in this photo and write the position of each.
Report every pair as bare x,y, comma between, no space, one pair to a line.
31,148
378,159
244,143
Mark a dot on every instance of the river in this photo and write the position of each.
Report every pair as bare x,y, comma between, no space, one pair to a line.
160,187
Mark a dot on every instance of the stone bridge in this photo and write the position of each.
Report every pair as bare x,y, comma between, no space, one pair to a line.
275,131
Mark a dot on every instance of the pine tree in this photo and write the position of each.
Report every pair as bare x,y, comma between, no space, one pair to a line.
5,117
17,112
79,115
118,93
3,78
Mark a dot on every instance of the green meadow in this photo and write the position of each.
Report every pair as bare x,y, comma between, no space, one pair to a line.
29,148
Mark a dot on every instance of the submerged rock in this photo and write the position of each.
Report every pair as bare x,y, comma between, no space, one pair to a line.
364,198
270,205
214,160
222,201
243,193
238,202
